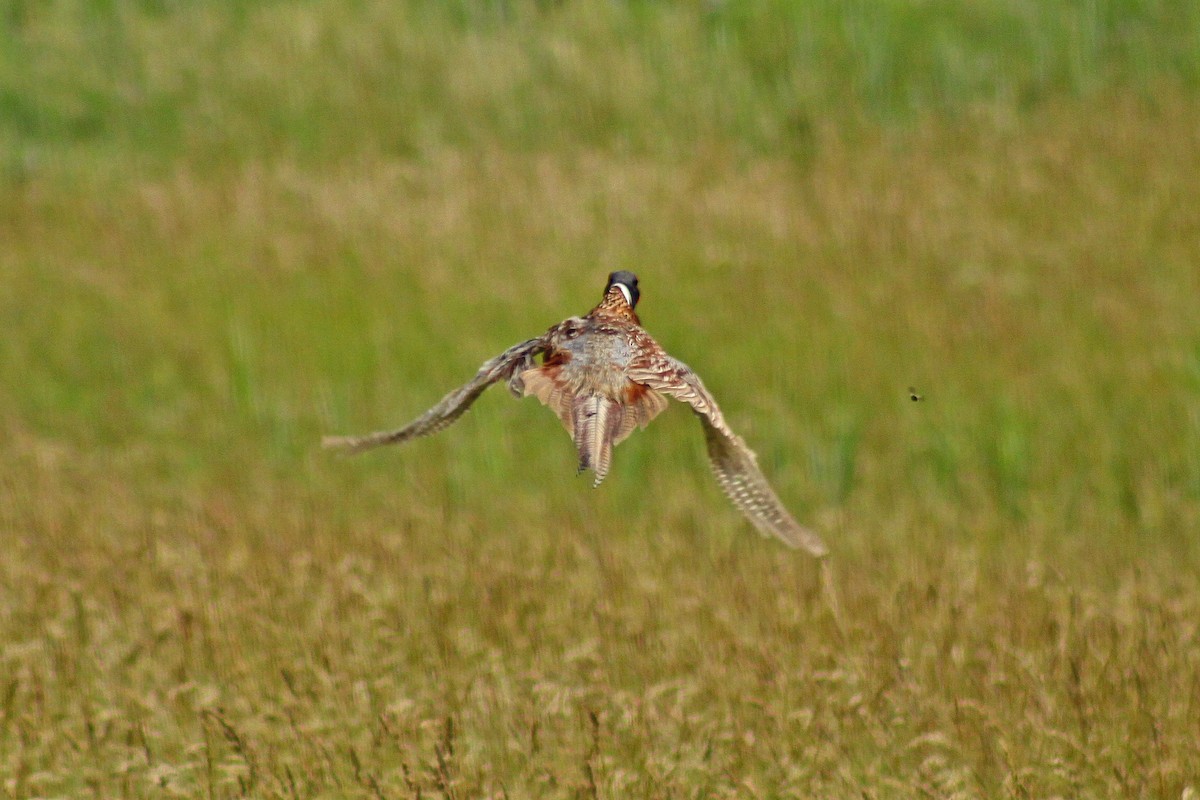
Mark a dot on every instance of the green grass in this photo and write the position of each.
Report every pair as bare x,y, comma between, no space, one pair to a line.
225,80
260,223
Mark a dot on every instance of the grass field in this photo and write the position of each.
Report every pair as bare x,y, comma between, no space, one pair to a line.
229,228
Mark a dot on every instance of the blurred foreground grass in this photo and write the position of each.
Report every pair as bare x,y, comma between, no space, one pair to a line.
195,602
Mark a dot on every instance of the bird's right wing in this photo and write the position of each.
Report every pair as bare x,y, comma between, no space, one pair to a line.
733,462
507,366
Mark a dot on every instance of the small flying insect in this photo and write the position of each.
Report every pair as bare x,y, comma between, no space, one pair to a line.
912,395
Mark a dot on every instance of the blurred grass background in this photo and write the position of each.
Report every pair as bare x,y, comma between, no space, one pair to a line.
229,227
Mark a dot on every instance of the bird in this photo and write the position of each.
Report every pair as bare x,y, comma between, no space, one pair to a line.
603,375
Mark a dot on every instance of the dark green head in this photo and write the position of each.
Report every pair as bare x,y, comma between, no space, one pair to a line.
627,283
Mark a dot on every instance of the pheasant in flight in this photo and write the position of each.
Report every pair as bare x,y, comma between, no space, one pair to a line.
603,375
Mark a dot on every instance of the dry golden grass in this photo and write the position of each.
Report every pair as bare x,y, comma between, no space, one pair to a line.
198,603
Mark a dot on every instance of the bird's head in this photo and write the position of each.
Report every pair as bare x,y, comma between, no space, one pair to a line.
627,284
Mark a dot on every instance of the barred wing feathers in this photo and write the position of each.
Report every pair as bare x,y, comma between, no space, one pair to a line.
509,366
733,462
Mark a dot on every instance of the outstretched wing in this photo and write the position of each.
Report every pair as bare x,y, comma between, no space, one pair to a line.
732,461
507,366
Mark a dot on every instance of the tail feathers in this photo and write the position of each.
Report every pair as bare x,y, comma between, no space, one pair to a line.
596,423
598,420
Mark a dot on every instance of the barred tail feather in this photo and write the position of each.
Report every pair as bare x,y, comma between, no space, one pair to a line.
597,421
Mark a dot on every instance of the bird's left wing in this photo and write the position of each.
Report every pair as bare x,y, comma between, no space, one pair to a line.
506,366
733,462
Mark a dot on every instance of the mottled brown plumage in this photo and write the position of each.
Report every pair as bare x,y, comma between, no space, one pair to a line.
603,375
